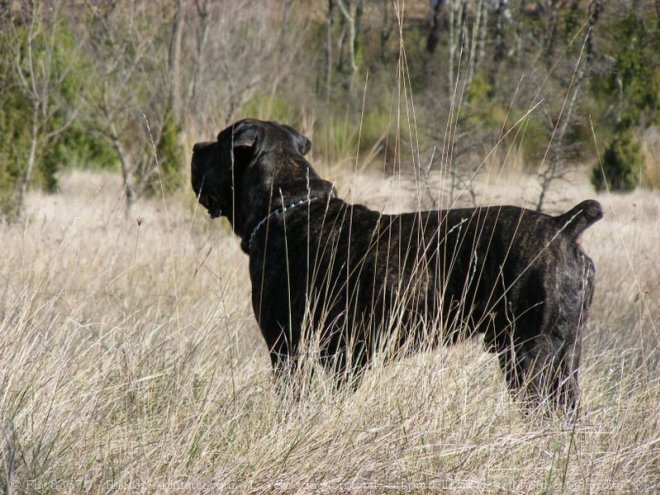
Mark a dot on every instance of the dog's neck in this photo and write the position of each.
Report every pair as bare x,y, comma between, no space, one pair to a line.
272,185
282,210
263,205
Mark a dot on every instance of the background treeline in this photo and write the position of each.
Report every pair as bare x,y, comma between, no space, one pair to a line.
408,87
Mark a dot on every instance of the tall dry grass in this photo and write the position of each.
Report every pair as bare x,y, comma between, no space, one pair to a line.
131,363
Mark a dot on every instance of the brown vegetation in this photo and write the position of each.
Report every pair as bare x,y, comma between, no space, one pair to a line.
131,361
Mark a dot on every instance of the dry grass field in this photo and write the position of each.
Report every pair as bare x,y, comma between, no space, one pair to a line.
131,363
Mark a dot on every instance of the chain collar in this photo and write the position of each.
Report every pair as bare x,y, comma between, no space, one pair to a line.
281,210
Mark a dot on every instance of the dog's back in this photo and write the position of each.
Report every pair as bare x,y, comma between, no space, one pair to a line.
421,278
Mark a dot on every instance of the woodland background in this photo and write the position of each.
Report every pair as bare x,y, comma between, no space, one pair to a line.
410,86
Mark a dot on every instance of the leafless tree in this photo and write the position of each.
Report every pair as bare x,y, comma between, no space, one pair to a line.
553,165
455,42
120,46
174,60
501,16
350,12
464,137
142,80
387,26
251,47
435,24
202,35
330,22
32,65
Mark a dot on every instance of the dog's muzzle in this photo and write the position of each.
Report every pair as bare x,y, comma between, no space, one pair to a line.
211,205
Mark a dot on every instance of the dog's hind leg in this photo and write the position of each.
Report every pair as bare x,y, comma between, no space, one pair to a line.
542,372
557,352
346,364
540,351
533,361
551,372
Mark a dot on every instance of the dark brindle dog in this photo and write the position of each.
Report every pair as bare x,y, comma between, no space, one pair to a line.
361,281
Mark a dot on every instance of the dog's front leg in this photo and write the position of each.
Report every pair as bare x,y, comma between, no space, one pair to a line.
292,379
283,357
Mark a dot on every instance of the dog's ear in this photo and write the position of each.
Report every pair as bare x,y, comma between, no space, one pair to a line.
303,144
247,136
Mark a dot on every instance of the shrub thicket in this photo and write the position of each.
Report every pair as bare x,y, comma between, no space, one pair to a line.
622,164
44,79
13,140
170,158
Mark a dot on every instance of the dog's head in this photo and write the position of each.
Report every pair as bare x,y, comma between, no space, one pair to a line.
218,167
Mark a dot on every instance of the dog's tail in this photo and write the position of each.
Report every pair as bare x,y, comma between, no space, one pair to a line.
579,218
